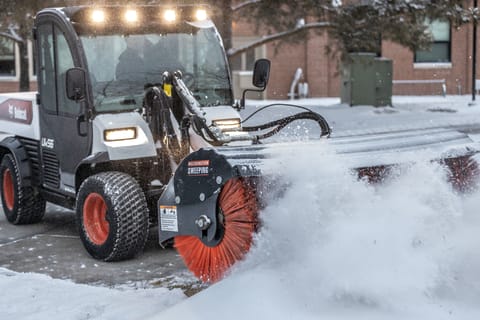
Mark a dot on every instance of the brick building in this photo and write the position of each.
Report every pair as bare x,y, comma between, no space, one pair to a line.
448,65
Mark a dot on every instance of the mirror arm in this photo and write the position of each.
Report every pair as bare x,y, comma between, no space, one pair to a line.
242,101
80,119
83,117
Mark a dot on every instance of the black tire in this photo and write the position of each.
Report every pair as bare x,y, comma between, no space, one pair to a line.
112,216
21,205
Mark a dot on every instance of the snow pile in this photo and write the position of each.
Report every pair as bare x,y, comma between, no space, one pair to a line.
336,247
330,247
34,296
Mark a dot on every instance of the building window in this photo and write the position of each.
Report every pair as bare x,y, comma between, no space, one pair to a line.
7,57
439,51
246,60
242,66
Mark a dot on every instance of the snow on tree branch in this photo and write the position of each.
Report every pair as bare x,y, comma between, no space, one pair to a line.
245,4
314,25
12,34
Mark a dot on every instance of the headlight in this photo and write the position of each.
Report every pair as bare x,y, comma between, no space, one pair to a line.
120,134
227,124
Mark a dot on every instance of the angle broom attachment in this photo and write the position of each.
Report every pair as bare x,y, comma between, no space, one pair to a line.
237,203
463,173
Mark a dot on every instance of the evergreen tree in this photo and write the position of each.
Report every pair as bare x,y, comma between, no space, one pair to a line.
356,25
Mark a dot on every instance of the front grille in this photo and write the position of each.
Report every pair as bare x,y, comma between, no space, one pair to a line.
51,175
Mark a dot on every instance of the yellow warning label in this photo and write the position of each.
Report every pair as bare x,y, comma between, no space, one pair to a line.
168,89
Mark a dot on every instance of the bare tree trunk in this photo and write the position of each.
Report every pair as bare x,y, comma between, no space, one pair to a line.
226,23
24,75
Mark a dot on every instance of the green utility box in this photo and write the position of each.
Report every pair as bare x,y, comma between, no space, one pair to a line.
367,80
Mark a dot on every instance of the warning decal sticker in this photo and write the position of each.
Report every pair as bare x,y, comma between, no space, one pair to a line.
168,218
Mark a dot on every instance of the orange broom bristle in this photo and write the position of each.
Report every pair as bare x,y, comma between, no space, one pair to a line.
464,173
239,206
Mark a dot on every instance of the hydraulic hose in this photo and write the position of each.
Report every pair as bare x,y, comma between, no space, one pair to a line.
217,138
283,122
279,124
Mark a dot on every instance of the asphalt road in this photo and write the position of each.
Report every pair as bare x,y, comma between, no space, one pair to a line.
53,247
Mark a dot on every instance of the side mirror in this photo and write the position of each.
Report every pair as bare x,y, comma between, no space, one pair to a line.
261,73
76,84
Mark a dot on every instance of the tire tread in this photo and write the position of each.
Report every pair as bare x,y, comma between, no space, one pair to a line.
30,206
130,212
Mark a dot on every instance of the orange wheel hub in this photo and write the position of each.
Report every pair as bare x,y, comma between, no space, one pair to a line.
95,218
8,189
238,204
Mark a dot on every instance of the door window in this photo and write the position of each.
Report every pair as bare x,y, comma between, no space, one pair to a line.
55,59
64,61
46,77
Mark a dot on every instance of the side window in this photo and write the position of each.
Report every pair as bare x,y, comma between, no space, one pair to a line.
46,78
64,61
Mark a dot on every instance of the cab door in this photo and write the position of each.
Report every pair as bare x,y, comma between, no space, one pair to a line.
63,144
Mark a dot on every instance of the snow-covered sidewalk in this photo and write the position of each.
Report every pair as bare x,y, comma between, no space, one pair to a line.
35,296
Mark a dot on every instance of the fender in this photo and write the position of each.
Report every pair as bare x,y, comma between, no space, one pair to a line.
15,147
83,169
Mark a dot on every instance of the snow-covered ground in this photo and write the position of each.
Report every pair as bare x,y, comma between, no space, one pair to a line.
331,247
34,296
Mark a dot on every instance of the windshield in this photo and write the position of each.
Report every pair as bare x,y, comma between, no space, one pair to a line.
121,65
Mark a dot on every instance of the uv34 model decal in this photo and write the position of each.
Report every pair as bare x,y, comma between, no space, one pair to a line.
48,143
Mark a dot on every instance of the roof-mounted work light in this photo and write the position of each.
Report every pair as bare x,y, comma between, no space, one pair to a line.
170,15
201,15
98,16
131,16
